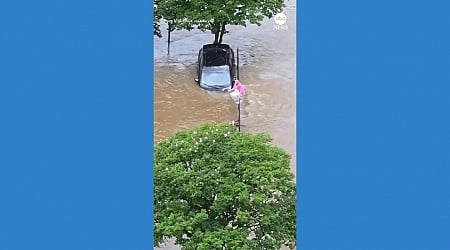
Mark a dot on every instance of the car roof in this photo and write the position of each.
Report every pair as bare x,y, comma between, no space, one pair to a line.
216,46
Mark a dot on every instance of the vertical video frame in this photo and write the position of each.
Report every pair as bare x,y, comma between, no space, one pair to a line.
224,124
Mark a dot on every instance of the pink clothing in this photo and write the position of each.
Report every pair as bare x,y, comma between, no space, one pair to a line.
238,85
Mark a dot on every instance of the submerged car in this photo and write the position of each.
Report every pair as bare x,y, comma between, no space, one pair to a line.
216,67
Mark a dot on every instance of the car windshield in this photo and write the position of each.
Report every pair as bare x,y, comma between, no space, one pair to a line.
216,77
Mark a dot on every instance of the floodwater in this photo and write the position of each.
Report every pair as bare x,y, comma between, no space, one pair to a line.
267,57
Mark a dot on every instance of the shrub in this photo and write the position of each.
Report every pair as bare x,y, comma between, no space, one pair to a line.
217,188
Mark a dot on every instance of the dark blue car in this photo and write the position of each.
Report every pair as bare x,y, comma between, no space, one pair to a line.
216,67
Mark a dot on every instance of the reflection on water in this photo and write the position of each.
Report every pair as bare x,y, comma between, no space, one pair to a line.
267,60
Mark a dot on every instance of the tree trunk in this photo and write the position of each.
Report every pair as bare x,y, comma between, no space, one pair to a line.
216,37
216,31
168,38
222,32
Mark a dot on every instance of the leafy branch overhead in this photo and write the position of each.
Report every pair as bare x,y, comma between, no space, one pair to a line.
214,16
217,188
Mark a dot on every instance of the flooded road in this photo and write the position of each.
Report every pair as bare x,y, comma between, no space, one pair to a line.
267,70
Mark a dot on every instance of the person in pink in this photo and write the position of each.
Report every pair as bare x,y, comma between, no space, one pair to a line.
238,85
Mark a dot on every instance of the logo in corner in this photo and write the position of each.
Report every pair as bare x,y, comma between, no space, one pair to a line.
280,19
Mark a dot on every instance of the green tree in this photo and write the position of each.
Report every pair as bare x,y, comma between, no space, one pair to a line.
156,20
215,15
217,188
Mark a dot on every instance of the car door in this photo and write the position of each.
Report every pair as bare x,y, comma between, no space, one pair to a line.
199,64
232,64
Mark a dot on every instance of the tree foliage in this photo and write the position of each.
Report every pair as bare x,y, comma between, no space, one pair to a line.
215,15
156,21
217,188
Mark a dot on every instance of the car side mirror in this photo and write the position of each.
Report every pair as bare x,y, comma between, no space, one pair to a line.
196,80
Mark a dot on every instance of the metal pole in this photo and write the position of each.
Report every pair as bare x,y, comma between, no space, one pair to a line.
237,62
239,115
237,77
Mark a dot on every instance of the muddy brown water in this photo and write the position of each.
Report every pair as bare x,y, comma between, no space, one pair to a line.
267,70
